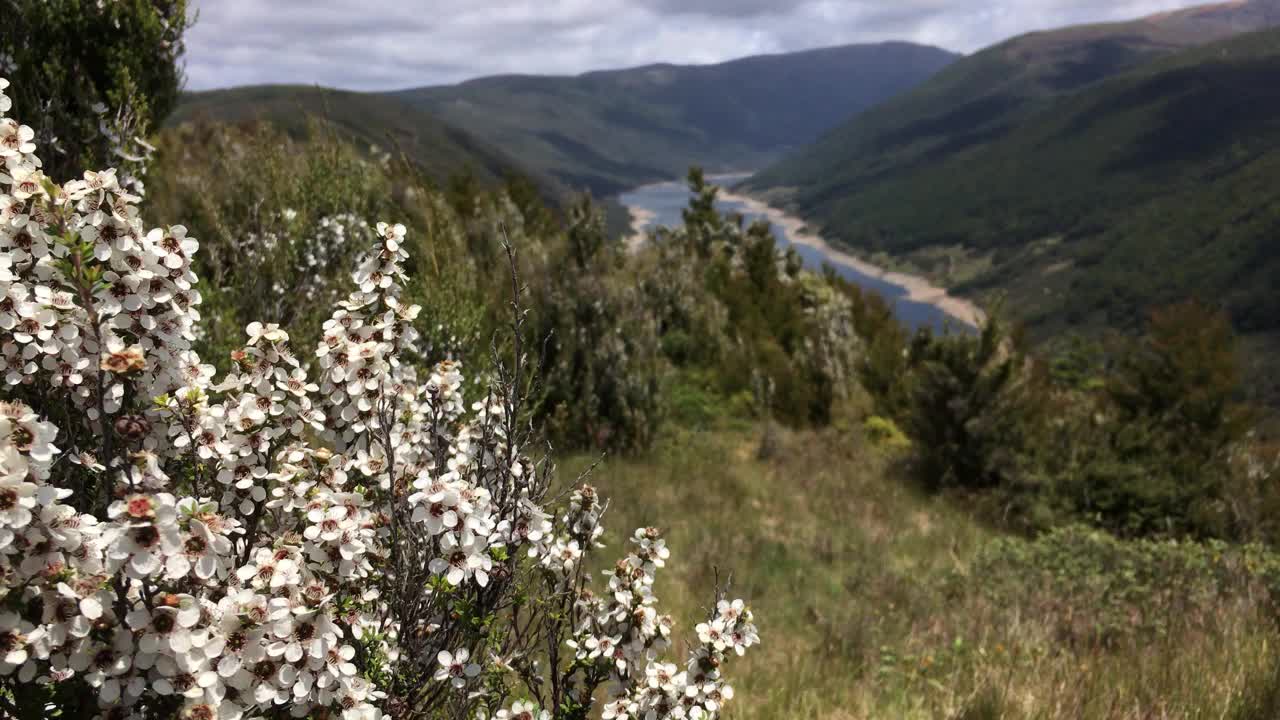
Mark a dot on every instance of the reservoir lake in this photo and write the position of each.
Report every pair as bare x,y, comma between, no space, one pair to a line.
664,202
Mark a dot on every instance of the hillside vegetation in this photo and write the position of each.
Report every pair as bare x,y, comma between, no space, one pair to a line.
951,527
979,98
1164,167
367,120
606,131
884,603
1086,207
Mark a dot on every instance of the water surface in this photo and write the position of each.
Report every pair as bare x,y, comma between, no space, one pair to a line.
666,201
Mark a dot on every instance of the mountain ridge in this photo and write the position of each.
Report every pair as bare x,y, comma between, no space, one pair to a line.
981,95
607,130
370,120
1144,188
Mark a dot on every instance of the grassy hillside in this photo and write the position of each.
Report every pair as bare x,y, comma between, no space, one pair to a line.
605,131
876,602
367,120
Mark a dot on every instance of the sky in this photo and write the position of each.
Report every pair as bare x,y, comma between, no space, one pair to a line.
393,44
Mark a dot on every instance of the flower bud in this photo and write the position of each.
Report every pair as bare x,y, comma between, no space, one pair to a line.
132,427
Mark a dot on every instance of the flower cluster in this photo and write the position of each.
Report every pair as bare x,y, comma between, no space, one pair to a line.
339,537
624,633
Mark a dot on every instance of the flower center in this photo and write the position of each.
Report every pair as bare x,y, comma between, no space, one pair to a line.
163,623
140,507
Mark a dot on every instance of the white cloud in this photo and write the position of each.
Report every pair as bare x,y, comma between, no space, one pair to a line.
388,44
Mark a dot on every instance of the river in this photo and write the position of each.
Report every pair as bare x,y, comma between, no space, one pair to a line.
916,303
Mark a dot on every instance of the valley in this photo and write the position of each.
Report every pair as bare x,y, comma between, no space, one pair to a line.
915,301
639,360
1084,175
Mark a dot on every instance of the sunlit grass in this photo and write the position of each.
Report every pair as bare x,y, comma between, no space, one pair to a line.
860,587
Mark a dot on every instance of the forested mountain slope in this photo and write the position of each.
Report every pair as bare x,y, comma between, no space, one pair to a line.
1085,207
606,131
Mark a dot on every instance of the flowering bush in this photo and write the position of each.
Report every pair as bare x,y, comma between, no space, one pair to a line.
336,537
283,220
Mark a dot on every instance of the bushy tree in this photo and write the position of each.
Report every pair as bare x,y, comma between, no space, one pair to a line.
93,77
1163,430
602,372
970,414
729,299
1183,378
342,536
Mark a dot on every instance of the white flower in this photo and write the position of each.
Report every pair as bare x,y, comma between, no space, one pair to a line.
235,547
462,559
15,139
15,637
270,333
173,248
455,668
17,499
522,710
203,554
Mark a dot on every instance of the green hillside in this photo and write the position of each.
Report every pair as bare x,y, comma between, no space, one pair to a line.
1148,187
606,131
368,120
980,98
1087,207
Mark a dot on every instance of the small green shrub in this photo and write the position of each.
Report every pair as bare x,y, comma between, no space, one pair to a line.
1101,591
884,433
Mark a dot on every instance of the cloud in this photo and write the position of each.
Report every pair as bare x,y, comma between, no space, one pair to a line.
724,8
389,44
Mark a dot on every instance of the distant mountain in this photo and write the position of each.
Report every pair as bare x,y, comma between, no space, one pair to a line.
365,119
606,131
978,99
1084,208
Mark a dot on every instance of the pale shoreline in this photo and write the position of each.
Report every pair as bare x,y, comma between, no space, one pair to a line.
918,289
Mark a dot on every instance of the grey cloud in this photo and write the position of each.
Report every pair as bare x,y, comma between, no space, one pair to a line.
724,8
388,44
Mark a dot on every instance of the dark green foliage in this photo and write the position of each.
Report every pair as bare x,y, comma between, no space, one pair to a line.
1183,378
970,413
601,371
1158,459
65,56
1162,447
607,131
1076,363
